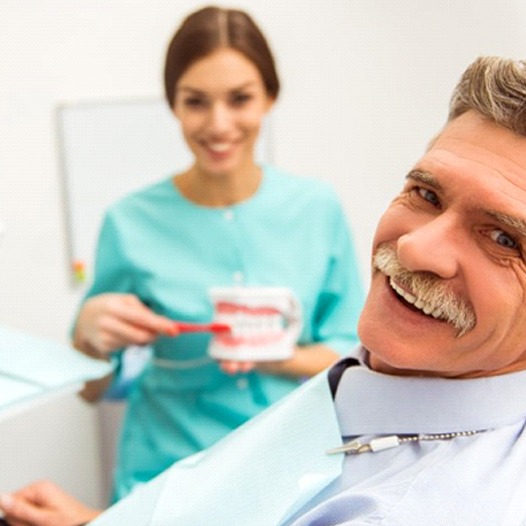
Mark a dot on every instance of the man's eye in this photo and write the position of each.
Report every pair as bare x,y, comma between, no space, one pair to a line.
429,196
504,239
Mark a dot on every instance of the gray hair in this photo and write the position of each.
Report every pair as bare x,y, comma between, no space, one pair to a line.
495,87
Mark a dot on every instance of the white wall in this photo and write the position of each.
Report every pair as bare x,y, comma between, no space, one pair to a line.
365,85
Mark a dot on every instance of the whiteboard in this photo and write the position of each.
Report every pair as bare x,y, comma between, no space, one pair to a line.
110,148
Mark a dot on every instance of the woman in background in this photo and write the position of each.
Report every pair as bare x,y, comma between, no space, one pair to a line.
225,221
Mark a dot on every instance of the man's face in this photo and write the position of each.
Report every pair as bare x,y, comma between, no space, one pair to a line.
455,236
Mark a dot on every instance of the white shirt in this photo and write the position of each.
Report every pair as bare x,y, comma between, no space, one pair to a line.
276,464
468,480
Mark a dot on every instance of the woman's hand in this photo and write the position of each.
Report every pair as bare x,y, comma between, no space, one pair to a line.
45,504
232,367
110,321
306,361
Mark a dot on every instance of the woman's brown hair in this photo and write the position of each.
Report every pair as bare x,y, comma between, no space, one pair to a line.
212,28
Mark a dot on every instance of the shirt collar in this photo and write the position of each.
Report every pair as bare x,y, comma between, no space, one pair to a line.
368,402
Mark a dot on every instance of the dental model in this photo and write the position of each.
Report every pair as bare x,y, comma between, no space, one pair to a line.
265,323
250,325
257,333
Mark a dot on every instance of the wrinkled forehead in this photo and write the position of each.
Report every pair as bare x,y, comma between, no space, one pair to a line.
477,152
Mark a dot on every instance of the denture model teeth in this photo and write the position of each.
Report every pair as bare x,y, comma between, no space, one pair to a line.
250,325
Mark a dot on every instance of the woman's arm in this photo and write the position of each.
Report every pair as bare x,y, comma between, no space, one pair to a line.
307,360
111,321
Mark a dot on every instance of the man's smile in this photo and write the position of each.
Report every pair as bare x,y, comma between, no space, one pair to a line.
415,303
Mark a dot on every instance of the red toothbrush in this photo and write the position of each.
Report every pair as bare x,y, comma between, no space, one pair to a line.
179,327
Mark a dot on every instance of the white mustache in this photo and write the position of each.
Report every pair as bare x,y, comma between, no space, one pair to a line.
431,293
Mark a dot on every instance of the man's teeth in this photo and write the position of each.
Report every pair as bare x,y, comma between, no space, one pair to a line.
406,295
413,300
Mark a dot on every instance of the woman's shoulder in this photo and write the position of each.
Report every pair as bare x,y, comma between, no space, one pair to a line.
151,195
305,186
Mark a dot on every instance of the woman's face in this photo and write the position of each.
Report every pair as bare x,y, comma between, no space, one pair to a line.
220,101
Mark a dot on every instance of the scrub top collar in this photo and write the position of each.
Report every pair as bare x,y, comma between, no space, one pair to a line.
368,402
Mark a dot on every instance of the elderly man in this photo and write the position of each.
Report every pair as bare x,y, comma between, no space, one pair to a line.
426,426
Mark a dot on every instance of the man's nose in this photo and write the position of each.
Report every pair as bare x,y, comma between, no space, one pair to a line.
434,246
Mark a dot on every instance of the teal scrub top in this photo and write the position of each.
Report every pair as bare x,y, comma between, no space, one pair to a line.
169,252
